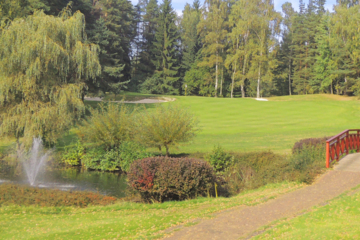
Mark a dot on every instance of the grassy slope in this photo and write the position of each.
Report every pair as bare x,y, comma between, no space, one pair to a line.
123,220
337,220
247,124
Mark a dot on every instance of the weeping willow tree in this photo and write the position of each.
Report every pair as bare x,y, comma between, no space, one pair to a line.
44,66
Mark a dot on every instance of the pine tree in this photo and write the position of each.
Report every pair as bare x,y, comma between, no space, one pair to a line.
166,52
190,39
114,32
324,65
145,67
287,41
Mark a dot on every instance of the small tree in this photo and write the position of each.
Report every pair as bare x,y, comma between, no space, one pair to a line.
109,125
166,127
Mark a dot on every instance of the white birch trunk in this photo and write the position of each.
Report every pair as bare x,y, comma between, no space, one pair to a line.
216,73
233,81
289,77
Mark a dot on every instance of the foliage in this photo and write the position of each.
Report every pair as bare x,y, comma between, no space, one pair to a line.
166,126
252,170
165,49
219,159
255,169
113,31
308,162
162,178
44,63
109,125
73,155
11,194
309,142
129,152
118,158
98,158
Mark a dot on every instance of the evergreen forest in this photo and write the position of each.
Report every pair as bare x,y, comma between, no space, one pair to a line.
219,48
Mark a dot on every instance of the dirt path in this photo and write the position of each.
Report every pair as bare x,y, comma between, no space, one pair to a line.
245,220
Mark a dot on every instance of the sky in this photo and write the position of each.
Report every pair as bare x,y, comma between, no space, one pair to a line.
178,5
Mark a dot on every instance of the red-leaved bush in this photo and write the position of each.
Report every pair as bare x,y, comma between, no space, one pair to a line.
163,178
11,194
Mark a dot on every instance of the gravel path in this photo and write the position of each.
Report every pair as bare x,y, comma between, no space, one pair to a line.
242,222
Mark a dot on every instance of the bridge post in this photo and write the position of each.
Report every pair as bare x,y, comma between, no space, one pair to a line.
327,154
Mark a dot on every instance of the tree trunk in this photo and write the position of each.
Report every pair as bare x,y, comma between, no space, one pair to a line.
243,81
167,151
222,77
331,88
216,75
233,81
289,77
258,85
345,86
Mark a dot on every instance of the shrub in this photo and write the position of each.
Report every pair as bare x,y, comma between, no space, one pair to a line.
308,162
114,159
219,159
73,155
298,146
252,170
25,196
255,169
166,127
109,125
129,152
162,178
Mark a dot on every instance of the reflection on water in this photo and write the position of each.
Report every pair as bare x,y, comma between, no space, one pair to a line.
113,184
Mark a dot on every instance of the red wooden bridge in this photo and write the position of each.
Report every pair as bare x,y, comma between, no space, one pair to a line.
342,144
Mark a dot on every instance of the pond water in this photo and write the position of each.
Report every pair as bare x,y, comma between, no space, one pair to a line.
76,179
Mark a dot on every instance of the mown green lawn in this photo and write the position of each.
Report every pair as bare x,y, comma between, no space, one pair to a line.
337,220
123,220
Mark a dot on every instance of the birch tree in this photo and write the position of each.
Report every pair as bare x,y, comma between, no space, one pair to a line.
212,29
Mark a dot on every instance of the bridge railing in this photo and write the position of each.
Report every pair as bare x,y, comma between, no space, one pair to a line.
341,144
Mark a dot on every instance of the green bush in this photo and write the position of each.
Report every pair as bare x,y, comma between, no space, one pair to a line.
108,126
118,158
308,162
255,169
252,170
161,178
73,155
129,152
219,159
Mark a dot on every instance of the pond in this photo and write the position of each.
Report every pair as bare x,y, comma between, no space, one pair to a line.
75,179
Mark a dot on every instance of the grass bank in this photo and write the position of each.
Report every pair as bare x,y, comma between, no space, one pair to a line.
337,220
123,220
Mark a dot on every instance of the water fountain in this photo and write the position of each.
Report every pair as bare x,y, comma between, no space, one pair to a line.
34,159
